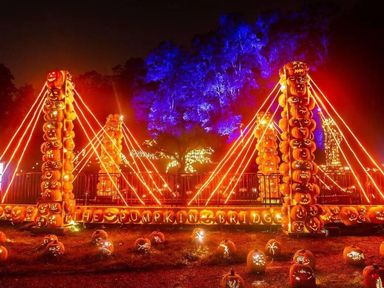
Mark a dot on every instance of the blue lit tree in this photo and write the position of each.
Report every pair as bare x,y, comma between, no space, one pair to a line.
213,83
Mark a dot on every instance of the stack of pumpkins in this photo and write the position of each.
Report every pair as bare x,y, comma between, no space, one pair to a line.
110,157
267,159
52,247
297,148
57,200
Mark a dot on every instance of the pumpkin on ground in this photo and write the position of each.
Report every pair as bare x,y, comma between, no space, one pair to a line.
232,280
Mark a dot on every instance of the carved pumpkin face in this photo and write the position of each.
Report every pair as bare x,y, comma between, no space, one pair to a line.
300,132
143,245
376,214
111,215
349,215
48,239
298,212
303,198
313,224
315,210
18,214
301,176
300,111
302,188
297,79
232,280
55,79
353,255
302,154
298,226
256,261
302,276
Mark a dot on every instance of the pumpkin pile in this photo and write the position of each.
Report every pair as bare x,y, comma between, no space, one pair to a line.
52,247
297,148
57,199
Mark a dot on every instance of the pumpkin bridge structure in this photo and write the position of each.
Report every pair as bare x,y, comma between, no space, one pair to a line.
290,188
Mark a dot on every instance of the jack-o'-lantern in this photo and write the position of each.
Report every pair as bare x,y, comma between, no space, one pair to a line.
298,226
55,207
300,132
254,217
313,224
303,198
105,247
302,188
198,237
232,217
146,217
266,217
43,208
302,154
30,213
376,215
353,255
226,248
143,245
304,257
98,235
55,79
301,176
300,111
256,261
97,216
157,238
349,215
273,248
373,276
301,276
315,210
232,280
41,221
298,212
48,239
3,254
54,249
134,216
18,214
363,217
55,220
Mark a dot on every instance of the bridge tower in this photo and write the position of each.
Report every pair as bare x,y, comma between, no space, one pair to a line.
301,213
110,156
56,204
267,159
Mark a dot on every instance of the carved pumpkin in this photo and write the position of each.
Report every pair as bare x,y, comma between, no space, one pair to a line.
301,276
376,215
273,248
105,247
3,254
298,212
232,280
353,255
143,245
349,215
373,276
48,239
226,248
303,198
298,226
99,235
54,249
313,224
256,261
304,257
381,249
157,238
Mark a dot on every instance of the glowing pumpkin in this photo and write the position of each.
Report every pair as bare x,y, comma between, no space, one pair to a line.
232,280
3,238
48,239
143,245
226,248
256,261
373,276
105,247
3,254
273,248
301,276
54,249
304,257
99,235
353,255
157,238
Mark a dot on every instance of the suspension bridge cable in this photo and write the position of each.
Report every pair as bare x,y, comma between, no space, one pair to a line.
235,145
348,128
85,162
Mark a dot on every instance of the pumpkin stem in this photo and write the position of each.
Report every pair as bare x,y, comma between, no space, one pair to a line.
232,272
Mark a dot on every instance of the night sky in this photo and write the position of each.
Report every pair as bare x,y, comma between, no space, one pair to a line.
38,36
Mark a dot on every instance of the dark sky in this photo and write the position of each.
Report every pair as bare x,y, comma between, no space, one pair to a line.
38,36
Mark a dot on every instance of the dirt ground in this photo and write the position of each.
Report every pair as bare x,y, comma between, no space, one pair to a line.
175,264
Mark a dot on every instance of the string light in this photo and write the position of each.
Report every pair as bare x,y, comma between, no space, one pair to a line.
236,144
348,128
35,118
348,145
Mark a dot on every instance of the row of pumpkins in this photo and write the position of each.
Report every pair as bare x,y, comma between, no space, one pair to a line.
301,273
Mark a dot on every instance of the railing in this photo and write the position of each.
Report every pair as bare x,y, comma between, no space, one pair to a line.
26,189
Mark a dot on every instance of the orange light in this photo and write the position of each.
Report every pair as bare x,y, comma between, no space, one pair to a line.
85,162
35,118
349,129
236,144
25,119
